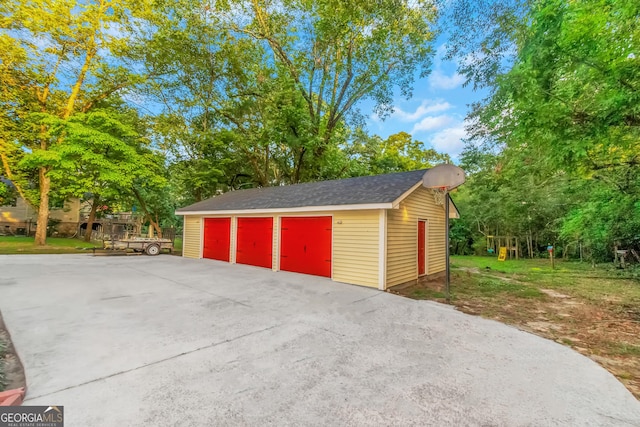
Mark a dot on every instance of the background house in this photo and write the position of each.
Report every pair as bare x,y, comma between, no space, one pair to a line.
20,218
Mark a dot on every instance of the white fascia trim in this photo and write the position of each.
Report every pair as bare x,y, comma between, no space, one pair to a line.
382,250
396,203
184,234
298,209
201,238
453,210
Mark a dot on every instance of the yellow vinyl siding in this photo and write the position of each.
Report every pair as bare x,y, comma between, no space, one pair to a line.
275,264
402,237
192,236
355,247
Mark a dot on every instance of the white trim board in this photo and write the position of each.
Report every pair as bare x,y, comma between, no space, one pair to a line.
201,239
382,250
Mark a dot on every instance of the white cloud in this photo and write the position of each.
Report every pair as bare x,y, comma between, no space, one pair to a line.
431,123
449,140
439,80
426,107
441,51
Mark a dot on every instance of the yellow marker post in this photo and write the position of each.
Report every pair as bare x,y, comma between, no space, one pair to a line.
503,253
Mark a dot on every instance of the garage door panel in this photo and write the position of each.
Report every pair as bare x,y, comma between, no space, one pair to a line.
217,238
255,242
306,245
421,248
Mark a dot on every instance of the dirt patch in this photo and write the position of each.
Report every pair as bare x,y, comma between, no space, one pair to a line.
554,294
11,364
474,270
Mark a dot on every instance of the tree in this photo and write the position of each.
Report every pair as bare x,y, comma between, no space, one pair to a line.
371,155
576,80
483,36
61,58
103,156
337,53
272,88
509,194
561,120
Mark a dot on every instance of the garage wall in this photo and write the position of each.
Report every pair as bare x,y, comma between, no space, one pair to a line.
355,257
275,264
355,247
402,237
192,236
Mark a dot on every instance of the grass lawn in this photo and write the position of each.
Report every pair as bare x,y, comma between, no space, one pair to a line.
594,311
55,245
177,246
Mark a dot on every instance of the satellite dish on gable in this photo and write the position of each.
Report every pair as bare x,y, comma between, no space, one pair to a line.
442,179
445,177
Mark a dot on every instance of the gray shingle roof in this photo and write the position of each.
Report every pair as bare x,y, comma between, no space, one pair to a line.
350,191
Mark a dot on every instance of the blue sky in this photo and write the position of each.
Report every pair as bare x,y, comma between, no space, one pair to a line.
436,112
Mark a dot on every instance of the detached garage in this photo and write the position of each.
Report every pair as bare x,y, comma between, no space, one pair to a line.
377,231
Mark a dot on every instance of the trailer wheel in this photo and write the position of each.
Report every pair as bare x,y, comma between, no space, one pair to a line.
152,250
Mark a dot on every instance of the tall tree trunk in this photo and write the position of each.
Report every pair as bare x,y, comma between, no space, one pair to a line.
296,176
152,224
92,218
43,209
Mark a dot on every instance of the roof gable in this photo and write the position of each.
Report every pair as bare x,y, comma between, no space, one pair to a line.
364,190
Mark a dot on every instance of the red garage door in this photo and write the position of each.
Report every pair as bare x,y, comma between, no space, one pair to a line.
305,245
421,248
217,236
255,242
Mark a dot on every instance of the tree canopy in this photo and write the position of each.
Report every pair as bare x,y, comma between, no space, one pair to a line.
155,105
559,132
159,104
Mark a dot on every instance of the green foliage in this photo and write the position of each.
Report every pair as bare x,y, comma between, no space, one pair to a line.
371,155
267,96
59,58
262,97
554,153
102,154
606,218
8,194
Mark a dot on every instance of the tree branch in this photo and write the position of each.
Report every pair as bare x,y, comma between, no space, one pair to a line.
104,95
7,169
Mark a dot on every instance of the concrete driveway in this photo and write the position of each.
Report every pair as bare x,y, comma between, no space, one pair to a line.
167,341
